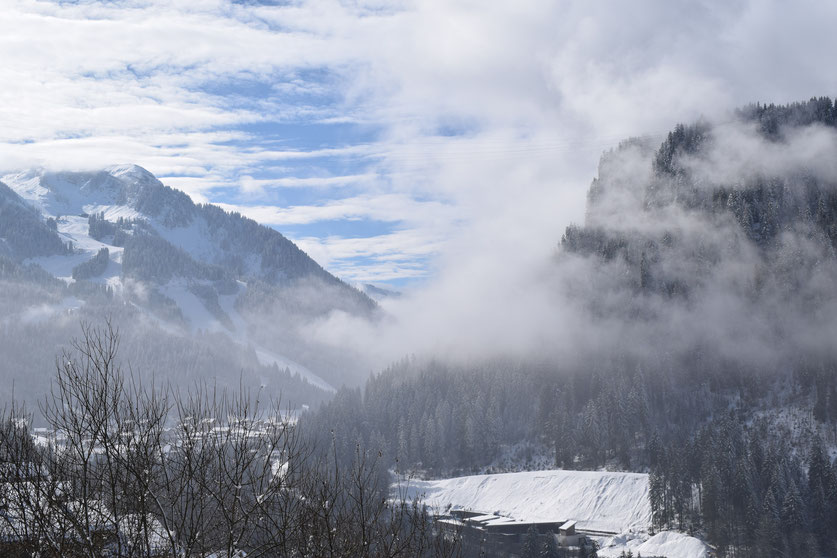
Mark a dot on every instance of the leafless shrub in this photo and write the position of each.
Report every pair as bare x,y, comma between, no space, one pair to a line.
142,469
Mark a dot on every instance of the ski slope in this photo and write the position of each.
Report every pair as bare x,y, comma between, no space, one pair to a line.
597,500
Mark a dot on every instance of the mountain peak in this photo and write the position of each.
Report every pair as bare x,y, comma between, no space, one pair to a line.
132,174
75,192
130,169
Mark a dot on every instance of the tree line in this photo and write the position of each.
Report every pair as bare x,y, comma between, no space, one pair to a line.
724,462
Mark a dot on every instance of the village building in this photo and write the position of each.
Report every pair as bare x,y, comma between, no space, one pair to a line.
488,534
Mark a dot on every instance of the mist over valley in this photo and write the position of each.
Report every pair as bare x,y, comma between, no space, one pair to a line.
418,279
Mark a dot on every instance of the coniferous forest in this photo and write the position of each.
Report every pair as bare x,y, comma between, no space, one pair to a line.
739,441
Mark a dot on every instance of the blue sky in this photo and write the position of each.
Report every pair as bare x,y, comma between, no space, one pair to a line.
395,141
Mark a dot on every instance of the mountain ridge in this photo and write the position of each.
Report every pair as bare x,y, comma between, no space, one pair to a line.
120,236
131,192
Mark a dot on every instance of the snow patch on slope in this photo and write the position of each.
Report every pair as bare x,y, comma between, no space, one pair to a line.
268,358
73,193
191,306
28,186
113,213
198,317
57,194
72,228
193,239
665,543
597,500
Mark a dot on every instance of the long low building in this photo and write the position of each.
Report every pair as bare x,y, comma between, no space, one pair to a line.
490,536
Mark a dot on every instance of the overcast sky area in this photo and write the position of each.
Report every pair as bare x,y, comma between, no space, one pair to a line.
402,143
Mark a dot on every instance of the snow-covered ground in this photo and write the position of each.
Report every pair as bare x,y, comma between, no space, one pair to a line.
597,500
75,229
269,357
666,543
61,194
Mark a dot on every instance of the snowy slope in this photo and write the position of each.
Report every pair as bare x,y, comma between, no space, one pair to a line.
73,193
269,358
132,193
65,197
666,543
117,192
72,228
598,500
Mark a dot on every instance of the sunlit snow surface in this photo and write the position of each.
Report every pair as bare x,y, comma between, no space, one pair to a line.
598,500
57,194
72,228
665,543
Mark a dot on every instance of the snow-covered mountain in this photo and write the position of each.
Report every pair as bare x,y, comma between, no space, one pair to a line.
130,200
118,237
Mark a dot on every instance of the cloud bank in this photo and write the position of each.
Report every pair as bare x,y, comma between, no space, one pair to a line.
467,132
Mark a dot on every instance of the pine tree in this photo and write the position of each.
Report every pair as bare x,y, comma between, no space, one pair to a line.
530,544
832,401
549,549
792,510
821,402
655,450
820,481
769,532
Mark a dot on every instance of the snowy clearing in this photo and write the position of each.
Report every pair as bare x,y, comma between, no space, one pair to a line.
664,543
597,500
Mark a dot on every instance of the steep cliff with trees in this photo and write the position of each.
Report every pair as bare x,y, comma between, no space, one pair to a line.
705,279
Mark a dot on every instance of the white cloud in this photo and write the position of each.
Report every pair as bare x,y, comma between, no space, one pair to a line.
385,207
402,254
423,227
531,91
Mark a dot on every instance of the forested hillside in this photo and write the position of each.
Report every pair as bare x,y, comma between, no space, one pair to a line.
22,231
705,283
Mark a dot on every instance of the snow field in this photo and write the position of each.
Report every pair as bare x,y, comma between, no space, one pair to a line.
597,500
665,543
